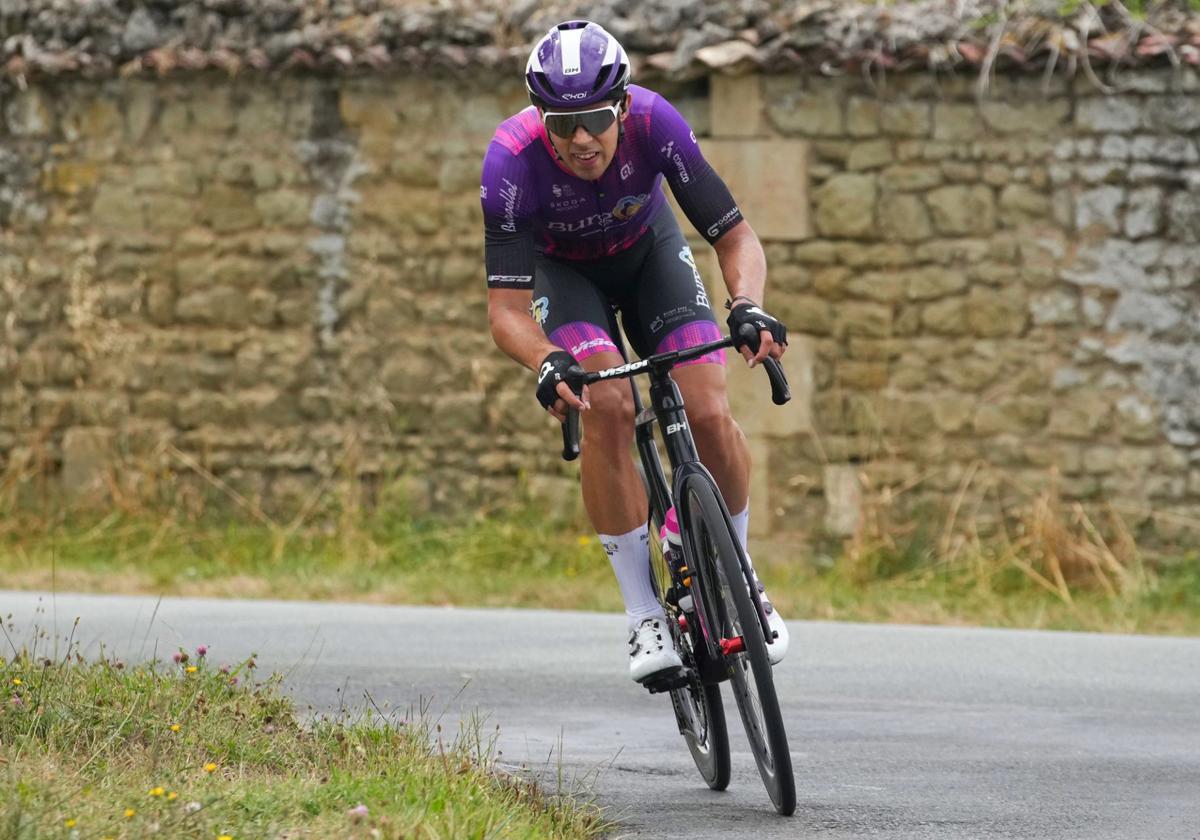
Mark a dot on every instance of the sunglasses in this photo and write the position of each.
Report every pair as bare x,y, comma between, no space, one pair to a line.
595,122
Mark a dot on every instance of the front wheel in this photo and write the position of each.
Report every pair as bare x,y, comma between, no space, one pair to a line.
734,615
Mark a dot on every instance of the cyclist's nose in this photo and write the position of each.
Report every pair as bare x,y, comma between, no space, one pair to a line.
580,136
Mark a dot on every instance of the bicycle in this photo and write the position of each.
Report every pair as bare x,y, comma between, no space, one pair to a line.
713,607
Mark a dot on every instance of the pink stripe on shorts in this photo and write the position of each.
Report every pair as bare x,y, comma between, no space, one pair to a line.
691,335
581,339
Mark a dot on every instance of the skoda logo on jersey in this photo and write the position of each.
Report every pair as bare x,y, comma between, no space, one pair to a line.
629,205
562,190
539,310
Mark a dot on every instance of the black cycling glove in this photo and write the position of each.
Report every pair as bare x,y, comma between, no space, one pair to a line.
555,368
753,315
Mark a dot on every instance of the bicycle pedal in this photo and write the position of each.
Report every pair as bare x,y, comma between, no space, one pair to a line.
667,680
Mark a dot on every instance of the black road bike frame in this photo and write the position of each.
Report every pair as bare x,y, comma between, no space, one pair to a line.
667,407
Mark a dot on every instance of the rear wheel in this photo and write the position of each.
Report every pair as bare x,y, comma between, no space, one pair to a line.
698,708
734,615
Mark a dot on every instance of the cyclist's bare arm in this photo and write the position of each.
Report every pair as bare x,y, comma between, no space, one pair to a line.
744,267
521,338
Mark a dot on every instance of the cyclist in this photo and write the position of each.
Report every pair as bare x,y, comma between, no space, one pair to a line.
576,225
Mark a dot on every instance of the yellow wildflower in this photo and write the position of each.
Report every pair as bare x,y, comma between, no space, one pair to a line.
157,791
175,727
191,669
225,837
69,823
129,812
584,540
172,796
18,681
210,767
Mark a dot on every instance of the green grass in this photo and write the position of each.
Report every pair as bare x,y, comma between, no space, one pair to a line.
521,559
189,750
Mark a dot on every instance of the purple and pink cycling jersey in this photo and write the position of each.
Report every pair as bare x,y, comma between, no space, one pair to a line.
538,214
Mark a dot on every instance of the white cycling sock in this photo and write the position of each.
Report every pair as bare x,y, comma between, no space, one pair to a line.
741,527
630,558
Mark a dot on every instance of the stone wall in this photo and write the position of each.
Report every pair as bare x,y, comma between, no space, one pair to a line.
276,280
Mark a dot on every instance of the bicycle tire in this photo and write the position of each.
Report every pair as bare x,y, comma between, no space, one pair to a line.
698,707
710,537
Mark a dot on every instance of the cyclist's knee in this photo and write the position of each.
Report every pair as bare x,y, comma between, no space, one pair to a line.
708,413
611,412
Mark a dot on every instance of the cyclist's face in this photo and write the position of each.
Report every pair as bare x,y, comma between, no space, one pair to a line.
588,155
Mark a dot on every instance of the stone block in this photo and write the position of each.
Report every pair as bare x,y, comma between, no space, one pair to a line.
117,207
865,319
285,208
750,393
1020,203
736,106
910,178
1083,416
945,317
229,209
70,177
862,117
1025,118
904,217
845,206
1183,217
28,114
932,282
997,312
793,110
1058,307
869,155
1144,213
843,499
1017,416
885,287
805,314
1174,113
1108,114
769,179
219,306
956,123
906,119
952,412
88,456
963,210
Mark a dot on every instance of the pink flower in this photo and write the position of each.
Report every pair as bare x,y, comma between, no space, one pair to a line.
202,651
358,813
233,680
224,669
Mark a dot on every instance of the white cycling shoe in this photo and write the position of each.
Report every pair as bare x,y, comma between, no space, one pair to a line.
778,648
651,650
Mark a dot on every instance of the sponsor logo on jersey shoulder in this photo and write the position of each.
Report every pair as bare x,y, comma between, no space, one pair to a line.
539,310
668,149
626,170
511,194
719,224
483,192
508,279
692,134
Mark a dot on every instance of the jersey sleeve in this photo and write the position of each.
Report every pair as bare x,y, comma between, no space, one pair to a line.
701,193
508,207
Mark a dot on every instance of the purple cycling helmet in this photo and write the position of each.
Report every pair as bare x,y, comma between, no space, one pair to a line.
576,63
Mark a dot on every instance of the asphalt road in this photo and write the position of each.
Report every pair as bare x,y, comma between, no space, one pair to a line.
896,732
